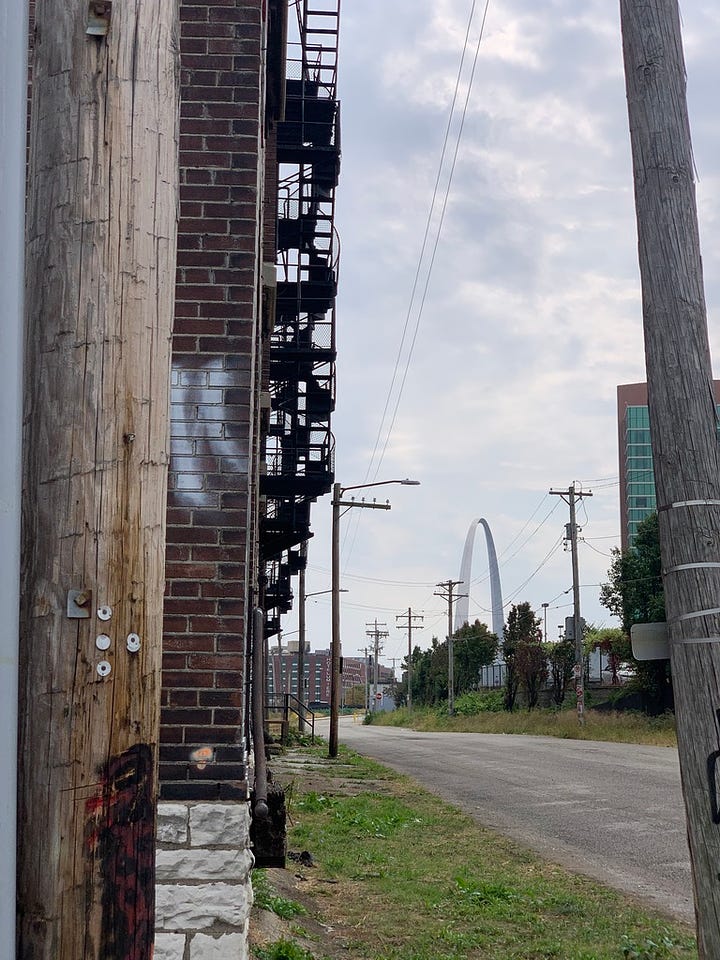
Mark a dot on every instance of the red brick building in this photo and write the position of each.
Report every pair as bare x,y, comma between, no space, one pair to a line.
253,360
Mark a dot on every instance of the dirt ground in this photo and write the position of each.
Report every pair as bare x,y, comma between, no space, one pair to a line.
299,881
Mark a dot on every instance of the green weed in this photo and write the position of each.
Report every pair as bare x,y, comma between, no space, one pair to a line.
265,899
283,950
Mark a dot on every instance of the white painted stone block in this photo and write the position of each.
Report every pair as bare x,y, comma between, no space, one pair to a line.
172,823
198,906
230,946
219,824
169,946
191,865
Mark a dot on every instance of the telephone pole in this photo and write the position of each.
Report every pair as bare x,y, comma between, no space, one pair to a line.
683,421
102,194
446,592
570,496
376,632
410,619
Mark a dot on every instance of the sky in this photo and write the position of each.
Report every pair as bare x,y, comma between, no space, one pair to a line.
531,314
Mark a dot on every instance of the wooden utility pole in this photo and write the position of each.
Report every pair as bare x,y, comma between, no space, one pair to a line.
570,496
101,237
446,592
683,422
377,632
410,619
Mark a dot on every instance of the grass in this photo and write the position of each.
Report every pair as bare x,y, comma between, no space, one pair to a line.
407,877
266,899
617,727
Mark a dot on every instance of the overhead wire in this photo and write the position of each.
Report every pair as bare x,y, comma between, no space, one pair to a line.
421,257
441,220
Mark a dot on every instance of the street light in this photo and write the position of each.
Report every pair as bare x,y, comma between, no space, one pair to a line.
337,503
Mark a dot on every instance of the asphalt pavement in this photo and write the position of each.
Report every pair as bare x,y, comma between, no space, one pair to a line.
611,811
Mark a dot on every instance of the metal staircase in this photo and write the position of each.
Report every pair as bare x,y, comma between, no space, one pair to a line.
299,450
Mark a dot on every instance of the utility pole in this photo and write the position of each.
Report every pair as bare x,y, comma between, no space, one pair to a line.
13,112
409,624
102,196
301,637
570,496
683,421
446,592
367,682
377,632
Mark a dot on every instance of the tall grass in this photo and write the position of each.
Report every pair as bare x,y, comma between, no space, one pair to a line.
615,727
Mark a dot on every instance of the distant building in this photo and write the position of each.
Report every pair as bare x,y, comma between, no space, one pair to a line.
637,478
283,673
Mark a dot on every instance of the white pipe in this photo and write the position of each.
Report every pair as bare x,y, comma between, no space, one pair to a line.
13,92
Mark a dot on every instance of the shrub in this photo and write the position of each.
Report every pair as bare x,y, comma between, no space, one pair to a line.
470,704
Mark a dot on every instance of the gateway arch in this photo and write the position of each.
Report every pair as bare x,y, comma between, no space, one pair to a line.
463,602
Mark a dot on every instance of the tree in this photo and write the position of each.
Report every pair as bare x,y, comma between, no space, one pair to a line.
521,664
474,647
611,641
634,593
561,660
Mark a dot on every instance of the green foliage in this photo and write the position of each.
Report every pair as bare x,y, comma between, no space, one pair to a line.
634,593
525,662
265,899
474,646
313,802
662,949
471,703
561,661
283,950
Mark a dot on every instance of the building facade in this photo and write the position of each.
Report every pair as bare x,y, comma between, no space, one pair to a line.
253,388
637,477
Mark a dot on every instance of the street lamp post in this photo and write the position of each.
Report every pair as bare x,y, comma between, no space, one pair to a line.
335,647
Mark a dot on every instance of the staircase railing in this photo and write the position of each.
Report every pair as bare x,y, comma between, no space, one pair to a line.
288,703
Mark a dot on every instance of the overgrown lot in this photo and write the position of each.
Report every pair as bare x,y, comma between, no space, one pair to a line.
472,717
400,875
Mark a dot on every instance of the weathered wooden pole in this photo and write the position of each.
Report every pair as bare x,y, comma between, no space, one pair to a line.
683,422
102,201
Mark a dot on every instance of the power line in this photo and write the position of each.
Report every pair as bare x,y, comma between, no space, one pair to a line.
440,224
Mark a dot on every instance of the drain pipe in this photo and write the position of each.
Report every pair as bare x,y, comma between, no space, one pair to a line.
13,107
260,810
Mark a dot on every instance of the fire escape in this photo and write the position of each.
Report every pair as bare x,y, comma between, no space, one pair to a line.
299,451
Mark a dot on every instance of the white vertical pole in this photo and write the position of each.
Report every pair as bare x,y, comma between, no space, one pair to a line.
13,93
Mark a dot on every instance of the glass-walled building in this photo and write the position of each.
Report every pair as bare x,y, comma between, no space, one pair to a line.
637,479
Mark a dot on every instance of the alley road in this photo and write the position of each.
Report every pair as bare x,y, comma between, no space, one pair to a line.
608,810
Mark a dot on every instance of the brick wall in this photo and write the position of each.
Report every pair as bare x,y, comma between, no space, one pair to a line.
214,401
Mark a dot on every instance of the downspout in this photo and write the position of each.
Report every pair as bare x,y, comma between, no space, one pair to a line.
260,810
13,115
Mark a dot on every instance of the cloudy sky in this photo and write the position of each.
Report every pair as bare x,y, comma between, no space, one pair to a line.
532,313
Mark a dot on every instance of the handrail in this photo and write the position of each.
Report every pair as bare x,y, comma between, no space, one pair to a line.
288,702
304,712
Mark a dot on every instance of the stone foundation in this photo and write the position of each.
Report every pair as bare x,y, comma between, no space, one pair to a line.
203,891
